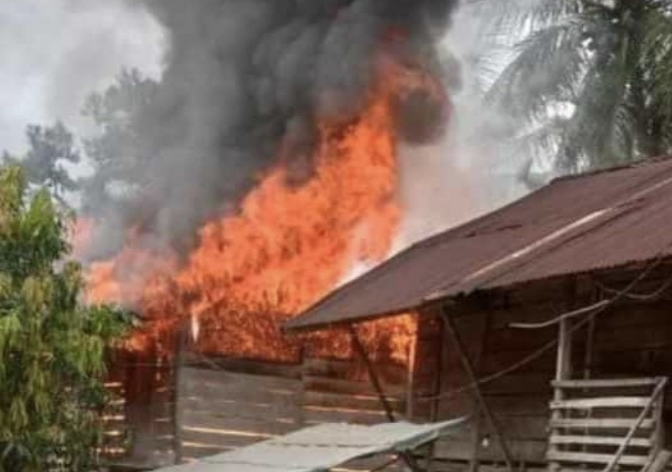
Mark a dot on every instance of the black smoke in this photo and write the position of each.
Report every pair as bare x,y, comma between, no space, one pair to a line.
242,76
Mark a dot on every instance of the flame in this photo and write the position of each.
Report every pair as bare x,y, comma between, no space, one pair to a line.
80,234
287,247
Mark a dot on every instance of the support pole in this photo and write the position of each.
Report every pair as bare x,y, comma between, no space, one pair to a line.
389,412
178,364
563,364
359,347
469,368
436,393
476,434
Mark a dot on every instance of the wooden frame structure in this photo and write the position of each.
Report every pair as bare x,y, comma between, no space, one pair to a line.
536,397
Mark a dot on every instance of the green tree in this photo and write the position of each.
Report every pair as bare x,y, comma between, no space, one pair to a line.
49,148
116,152
52,348
585,85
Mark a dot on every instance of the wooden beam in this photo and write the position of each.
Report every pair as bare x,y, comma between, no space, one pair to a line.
436,392
476,434
410,377
605,402
562,456
590,342
599,423
178,365
373,377
658,462
468,367
606,383
563,368
619,457
599,440
389,412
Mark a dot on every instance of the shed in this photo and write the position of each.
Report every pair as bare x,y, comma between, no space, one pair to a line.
548,319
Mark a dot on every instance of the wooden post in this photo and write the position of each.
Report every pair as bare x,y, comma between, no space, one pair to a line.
359,347
301,395
437,387
588,359
563,364
477,420
389,412
485,408
659,432
410,378
178,364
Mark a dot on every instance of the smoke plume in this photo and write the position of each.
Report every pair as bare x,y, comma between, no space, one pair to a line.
244,83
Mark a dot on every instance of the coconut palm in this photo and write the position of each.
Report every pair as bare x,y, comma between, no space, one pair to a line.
589,84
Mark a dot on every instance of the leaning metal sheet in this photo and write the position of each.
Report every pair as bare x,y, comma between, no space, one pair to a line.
320,448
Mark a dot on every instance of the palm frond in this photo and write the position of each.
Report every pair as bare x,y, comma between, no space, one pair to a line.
524,15
545,70
657,51
602,127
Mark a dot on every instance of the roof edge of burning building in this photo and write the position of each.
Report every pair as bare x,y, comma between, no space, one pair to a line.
575,224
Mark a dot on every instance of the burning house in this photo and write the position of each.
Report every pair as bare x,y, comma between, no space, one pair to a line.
270,166
262,169
546,320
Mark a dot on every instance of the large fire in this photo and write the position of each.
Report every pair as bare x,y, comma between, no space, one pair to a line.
287,246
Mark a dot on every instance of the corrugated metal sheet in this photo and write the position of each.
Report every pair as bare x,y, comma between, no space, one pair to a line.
320,448
573,225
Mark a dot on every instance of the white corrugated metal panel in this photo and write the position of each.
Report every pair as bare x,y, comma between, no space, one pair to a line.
320,448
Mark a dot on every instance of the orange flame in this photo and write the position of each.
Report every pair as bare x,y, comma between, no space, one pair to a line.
80,233
288,246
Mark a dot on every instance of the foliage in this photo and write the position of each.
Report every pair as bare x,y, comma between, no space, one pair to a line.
52,349
49,148
116,152
589,83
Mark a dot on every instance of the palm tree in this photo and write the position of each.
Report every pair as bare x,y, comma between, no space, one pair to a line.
590,81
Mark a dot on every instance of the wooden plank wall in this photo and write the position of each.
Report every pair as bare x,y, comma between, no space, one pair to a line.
631,339
340,391
139,422
226,404
519,401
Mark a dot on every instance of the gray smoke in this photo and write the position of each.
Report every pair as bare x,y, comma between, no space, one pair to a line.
470,171
244,76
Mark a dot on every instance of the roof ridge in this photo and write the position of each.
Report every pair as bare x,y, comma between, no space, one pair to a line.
642,162
556,238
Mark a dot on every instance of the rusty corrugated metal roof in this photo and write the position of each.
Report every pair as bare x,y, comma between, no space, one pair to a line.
573,225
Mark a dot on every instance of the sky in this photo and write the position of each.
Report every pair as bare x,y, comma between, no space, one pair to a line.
56,52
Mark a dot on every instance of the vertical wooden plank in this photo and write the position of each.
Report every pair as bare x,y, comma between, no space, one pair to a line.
301,390
563,361
476,415
373,377
436,390
408,459
659,432
410,374
178,365
563,367
476,388
590,341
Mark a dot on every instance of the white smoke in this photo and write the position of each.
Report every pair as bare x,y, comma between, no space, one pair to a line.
467,173
56,52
